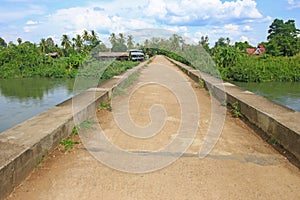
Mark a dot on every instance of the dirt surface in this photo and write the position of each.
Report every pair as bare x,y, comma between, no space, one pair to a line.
240,166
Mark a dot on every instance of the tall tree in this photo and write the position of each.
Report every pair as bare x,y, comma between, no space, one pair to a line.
19,40
146,43
77,42
113,39
121,38
94,39
242,45
118,44
130,42
204,43
50,42
2,42
85,36
43,45
50,45
65,42
176,42
221,42
283,38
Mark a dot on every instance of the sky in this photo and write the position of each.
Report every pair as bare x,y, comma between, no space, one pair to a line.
240,20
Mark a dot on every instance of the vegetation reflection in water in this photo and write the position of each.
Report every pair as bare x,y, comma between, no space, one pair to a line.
21,99
285,93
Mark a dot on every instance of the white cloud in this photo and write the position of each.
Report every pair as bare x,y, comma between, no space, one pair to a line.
199,12
244,39
178,29
30,22
293,4
28,29
156,8
231,27
190,18
77,19
247,28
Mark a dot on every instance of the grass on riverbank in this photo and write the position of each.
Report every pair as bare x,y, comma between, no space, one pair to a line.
234,65
263,69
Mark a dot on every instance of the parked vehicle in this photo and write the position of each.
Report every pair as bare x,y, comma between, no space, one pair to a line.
136,55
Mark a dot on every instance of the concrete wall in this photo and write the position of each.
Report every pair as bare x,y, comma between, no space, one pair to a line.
23,146
279,123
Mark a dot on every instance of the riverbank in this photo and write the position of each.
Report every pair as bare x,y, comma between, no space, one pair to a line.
233,65
23,98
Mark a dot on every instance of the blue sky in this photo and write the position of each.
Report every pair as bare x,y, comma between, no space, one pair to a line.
240,20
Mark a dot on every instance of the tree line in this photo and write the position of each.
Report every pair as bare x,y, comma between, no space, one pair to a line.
48,59
279,63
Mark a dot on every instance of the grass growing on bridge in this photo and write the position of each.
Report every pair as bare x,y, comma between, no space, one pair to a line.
71,141
120,90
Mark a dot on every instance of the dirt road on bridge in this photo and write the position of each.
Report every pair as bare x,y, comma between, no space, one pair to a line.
240,166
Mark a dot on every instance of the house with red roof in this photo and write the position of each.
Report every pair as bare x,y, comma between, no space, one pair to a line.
256,51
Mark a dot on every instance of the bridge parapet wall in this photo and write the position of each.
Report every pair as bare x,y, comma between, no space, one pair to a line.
276,123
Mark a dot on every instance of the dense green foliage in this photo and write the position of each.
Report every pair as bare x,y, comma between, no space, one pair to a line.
283,38
117,68
226,60
26,60
47,59
232,63
262,69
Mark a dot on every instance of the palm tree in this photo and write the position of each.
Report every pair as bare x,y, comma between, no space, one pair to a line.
2,42
43,45
113,39
228,41
85,36
19,40
146,43
94,39
77,42
176,40
65,41
121,39
129,41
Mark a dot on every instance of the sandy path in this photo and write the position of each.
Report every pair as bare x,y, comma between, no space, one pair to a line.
241,165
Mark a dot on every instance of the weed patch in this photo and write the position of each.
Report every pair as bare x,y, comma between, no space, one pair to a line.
236,110
105,106
87,124
68,144
273,140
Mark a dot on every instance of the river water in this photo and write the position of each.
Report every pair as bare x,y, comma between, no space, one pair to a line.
287,94
21,99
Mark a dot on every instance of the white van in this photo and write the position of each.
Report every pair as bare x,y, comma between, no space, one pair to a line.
136,55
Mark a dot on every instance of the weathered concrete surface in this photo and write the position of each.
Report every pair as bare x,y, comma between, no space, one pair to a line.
23,146
278,122
241,165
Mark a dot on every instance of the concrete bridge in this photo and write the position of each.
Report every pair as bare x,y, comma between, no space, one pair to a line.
215,156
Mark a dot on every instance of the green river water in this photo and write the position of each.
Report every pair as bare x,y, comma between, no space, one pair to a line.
21,99
287,93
